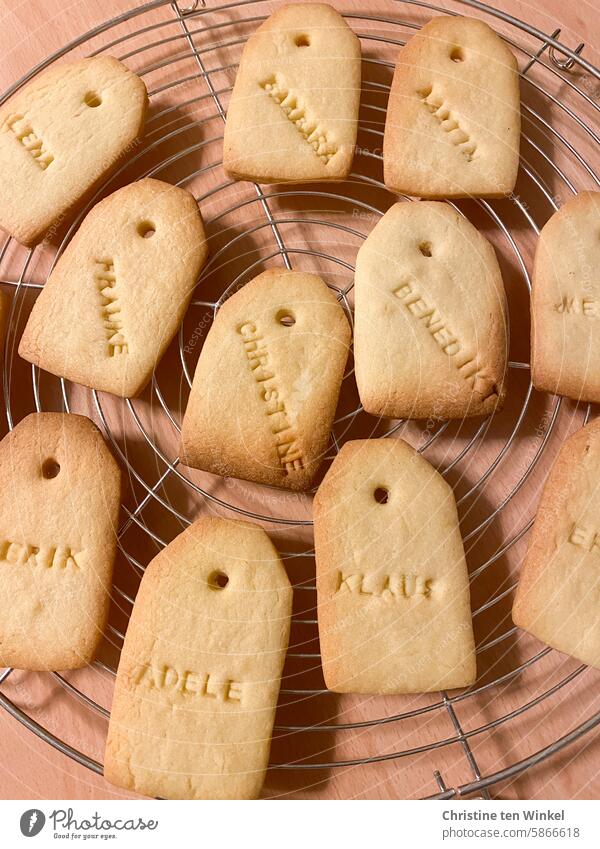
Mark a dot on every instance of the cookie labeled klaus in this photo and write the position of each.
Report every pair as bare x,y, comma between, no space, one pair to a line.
117,295
60,493
565,302
60,136
267,382
200,670
453,120
294,107
557,596
392,586
430,322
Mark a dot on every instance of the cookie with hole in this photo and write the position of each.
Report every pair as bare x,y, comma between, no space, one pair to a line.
565,302
557,595
61,490
453,121
392,585
200,670
430,317
267,382
293,113
61,136
118,293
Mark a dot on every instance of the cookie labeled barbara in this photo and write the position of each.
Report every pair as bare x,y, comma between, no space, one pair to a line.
60,492
200,670
60,136
453,120
294,107
267,382
392,586
431,323
557,596
565,302
117,295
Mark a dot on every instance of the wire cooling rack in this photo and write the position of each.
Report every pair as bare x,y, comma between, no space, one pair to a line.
188,57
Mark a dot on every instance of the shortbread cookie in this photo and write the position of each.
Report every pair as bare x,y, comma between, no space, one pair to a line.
119,292
60,136
294,108
453,120
557,597
430,327
392,584
565,302
267,382
200,670
59,495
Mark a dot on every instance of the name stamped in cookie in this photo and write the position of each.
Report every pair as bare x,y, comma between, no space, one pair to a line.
587,307
35,147
394,586
188,682
50,557
289,451
584,537
112,320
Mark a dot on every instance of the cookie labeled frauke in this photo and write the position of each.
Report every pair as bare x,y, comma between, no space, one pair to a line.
199,675
294,107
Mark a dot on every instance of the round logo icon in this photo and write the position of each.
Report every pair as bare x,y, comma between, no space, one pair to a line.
32,822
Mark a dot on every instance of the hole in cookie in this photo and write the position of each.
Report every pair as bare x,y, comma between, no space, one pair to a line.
50,469
457,54
302,41
92,99
218,580
146,229
381,495
425,248
286,318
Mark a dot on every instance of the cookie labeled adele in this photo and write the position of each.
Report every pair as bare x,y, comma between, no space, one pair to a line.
118,294
565,302
557,596
267,382
392,585
430,325
453,120
200,670
294,107
60,492
60,136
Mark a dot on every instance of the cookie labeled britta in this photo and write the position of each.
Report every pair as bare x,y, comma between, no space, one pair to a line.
294,107
200,670
60,136
267,382
453,120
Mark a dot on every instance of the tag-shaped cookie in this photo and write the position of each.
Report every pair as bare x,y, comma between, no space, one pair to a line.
200,670
557,597
453,120
119,292
565,302
294,107
267,382
60,492
430,326
60,136
392,584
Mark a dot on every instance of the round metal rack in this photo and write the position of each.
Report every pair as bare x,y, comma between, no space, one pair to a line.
187,56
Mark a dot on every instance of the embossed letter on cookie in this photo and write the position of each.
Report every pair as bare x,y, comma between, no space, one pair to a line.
59,505
118,293
430,332
565,302
60,135
200,670
392,584
267,382
294,107
453,119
